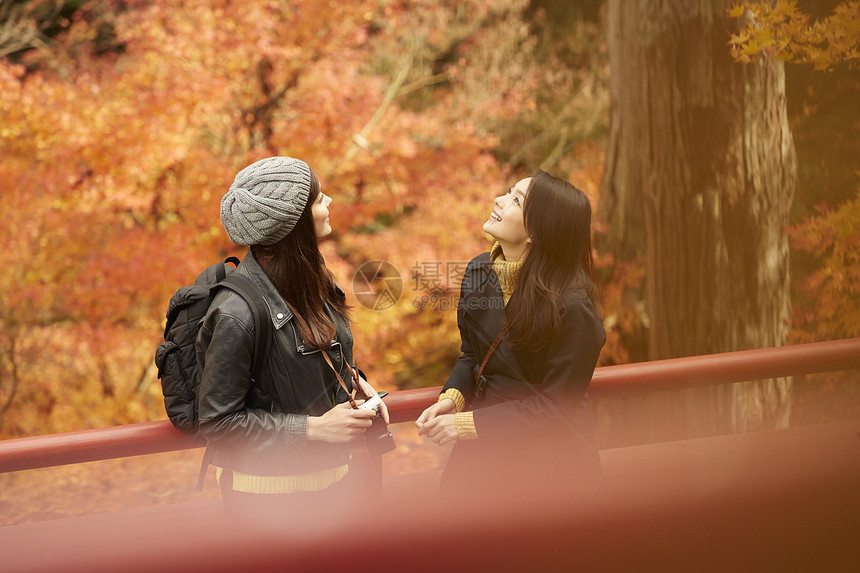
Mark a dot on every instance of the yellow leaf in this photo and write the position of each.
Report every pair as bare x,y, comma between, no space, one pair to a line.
752,47
737,11
741,38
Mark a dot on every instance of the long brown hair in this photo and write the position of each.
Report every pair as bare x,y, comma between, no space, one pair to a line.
557,219
296,268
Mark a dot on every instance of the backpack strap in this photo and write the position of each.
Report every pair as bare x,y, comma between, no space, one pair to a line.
221,271
245,288
263,326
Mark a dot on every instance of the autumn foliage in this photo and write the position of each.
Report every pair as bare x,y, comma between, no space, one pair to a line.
783,31
121,133
122,123
828,302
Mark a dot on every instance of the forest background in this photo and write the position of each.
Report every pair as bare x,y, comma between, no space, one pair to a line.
123,122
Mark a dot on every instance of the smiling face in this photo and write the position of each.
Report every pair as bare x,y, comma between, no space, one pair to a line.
505,223
319,210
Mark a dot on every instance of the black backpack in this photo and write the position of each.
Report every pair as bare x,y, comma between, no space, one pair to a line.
176,357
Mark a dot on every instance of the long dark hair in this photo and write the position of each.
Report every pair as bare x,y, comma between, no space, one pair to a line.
296,268
557,219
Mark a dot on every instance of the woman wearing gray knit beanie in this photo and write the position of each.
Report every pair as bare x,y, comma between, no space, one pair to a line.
281,443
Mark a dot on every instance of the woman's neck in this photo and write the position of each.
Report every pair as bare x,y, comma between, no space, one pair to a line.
512,253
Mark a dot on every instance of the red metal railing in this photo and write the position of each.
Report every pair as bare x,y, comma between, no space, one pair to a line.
160,436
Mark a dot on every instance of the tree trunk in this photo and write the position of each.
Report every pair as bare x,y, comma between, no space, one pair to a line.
701,172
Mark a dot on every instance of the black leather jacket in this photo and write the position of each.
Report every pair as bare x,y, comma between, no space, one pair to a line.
260,427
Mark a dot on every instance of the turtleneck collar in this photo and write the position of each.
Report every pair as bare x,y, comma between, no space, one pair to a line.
505,270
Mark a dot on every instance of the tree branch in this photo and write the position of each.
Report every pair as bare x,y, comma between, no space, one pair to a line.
359,140
21,30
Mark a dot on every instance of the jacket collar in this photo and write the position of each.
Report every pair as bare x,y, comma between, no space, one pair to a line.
483,300
484,308
278,309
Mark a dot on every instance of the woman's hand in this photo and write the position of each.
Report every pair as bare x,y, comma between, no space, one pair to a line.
340,425
368,391
442,429
445,406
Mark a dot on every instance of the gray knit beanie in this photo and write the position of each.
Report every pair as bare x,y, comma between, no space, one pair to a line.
265,201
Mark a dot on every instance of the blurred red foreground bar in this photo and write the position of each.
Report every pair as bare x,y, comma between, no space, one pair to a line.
767,501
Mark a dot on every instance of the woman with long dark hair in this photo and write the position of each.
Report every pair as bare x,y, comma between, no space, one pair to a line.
281,440
516,402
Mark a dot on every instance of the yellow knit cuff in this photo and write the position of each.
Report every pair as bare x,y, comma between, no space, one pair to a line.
465,422
456,396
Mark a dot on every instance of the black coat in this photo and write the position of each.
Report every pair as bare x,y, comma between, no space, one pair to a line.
260,427
535,404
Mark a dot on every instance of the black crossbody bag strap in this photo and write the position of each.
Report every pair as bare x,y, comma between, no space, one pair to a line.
480,383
